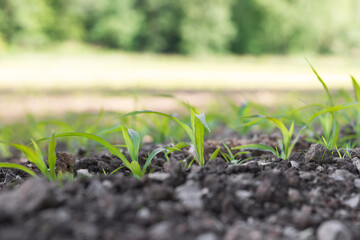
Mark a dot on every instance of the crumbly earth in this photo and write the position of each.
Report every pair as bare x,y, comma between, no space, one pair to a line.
264,198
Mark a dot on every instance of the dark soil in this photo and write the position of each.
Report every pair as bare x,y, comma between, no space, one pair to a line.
265,198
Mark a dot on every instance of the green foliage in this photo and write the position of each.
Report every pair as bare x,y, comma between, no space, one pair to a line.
328,117
177,147
187,26
215,153
24,22
35,156
132,143
231,158
196,132
159,30
204,31
357,108
285,26
285,144
113,23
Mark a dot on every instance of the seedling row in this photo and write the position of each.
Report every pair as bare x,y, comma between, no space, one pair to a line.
334,123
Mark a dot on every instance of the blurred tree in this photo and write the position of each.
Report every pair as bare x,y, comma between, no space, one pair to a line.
247,17
113,23
286,26
186,26
206,26
23,22
160,28
65,23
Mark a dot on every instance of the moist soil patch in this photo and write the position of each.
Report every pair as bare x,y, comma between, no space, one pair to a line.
265,198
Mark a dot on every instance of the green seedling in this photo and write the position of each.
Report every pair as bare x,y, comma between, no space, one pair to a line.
5,136
357,108
196,132
328,116
231,158
177,147
347,151
329,124
215,153
132,143
285,144
35,156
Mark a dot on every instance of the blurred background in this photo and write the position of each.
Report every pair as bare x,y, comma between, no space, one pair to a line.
58,56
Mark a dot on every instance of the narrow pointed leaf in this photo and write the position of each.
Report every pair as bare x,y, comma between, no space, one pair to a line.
136,169
18,166
331,103
136,140
356,89
183,125
202,119
150,158
33,157
113,150
52,156
333,109
260,147
215,153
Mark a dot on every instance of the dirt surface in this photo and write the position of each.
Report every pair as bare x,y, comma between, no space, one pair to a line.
265,198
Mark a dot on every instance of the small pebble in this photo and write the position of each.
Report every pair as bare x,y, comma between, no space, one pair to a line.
341,175
357,183
207,236
294,164
352,202
159,176
333,230
83,173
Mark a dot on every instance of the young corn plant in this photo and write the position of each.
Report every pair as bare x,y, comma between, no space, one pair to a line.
285,145
328,118
177,147
357,108
5,136
196,132
35,156
231,158
132,143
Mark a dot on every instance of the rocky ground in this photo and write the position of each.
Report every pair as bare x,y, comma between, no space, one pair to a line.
314,195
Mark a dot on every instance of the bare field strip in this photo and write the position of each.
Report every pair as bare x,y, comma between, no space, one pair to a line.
53,84
117,70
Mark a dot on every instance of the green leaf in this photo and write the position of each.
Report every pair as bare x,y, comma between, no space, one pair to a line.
33,157
18,166
215,153
202,119
116,128
331,103
292,145
52,156
260,147
116,170
150,158
198,130
356,88
183,125
129,143
177,147
333,109
136,169
135,138
113,150
226,157
283,129
231,156
334,136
